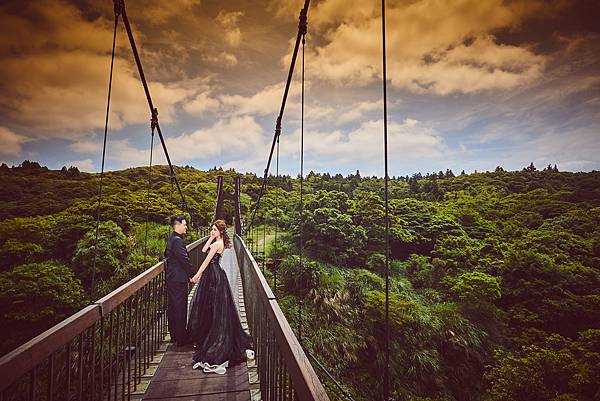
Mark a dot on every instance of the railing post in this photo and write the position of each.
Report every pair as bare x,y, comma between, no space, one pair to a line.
238,210
61,362
277,348
219,205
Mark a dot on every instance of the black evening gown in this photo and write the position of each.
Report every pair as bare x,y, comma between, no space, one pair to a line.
214,325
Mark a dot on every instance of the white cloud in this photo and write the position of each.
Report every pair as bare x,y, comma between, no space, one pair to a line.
223,59
223,139
204,102
126,155
357,111
267,101
82,165
11,144
409,139
87,144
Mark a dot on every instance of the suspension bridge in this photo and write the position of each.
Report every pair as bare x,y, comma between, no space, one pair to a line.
118,347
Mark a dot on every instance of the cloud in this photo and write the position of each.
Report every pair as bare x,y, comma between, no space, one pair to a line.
86,145
66,93
357,111
223,139
223,59
82,165
432,46
229,21
264,102
56,85
12,144
409,139
204,102
126,155
158,12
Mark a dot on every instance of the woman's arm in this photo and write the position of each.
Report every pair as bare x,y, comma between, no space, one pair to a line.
211,253
207,244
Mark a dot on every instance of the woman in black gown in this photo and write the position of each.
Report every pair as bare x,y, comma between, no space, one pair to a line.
214,325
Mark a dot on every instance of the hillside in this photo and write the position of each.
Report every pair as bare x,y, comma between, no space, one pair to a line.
495,277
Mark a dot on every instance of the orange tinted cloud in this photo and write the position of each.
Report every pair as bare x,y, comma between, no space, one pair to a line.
433,46
57,82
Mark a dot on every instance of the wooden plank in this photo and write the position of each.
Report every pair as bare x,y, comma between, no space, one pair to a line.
237,396
176,380
204,383
175,373
21,360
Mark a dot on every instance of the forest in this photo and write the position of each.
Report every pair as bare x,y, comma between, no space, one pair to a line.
494,276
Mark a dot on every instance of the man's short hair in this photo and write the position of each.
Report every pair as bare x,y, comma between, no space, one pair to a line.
178,219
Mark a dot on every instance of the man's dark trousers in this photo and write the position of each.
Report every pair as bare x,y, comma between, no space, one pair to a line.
177,294
179,271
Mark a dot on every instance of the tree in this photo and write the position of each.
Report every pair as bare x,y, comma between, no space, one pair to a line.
13,253
478,292
368,211
35,296
73,171
331,236
113,248
413,185
557,369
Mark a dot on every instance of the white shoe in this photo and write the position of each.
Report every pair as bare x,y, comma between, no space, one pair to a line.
249,354
218,369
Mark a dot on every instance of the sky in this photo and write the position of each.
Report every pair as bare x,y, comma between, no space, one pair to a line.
471,84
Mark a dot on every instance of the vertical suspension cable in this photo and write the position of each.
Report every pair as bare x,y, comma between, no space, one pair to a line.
301,200
302,27
386,377
264,244
153,122
276,264
117,10
277,191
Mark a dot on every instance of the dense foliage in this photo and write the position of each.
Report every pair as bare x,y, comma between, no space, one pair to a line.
494,289
48,236
494,278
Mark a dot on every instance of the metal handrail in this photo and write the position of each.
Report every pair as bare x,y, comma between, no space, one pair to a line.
283,368
100,352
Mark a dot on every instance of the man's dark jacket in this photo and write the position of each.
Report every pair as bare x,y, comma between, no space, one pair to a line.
179,266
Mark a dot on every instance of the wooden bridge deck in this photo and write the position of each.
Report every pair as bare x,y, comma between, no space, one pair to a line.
175,379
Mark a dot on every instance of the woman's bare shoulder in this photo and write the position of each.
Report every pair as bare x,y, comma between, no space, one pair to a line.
218,245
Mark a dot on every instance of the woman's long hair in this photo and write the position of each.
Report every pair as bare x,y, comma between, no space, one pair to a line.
222,227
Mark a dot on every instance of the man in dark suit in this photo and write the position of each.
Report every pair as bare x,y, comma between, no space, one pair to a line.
179,271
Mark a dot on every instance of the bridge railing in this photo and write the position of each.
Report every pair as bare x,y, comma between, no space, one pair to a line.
100,352
284,371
